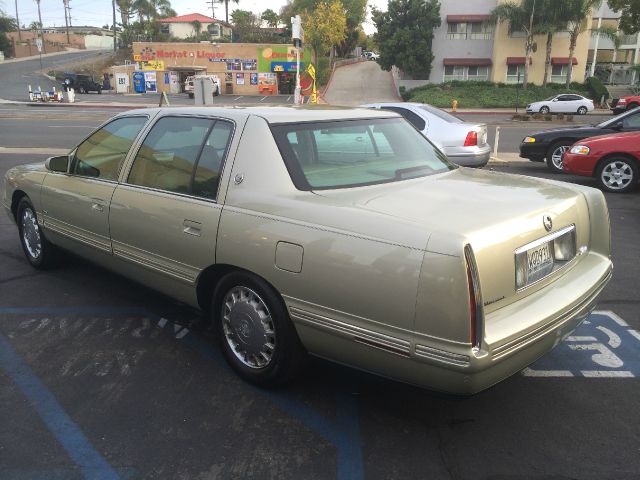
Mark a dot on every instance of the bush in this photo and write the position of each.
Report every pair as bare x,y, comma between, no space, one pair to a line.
596,89
485,94
323,71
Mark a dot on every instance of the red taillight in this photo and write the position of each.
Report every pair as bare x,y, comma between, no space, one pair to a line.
471,140
476,313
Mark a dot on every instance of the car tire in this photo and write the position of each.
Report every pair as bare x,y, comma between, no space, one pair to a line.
99,91
39,252
256,335
81,90
617,174
544,110
554,155
582,111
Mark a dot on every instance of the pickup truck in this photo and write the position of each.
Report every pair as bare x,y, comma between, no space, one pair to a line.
622,104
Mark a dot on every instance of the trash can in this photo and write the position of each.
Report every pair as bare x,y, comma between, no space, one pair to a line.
69,96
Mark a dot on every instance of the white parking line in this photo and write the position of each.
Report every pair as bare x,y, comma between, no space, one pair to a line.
71,126
288,98
262,98
238,98
606,374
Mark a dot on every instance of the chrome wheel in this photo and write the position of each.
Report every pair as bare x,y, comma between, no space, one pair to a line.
556,156
31,237
582,111
248,327
544,110
617,175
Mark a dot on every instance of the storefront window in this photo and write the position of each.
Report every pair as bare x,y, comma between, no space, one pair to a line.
249,66
234,66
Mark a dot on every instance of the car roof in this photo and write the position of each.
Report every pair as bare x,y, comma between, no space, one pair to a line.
273,114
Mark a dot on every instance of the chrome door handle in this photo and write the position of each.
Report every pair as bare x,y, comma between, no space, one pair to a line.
97,207
192,228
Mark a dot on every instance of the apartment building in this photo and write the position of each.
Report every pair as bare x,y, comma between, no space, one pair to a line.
612,64
467,46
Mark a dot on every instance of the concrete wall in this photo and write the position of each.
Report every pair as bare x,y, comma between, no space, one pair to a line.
98,42
445,48
76,41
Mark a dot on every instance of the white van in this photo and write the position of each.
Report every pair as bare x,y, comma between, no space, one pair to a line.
188,84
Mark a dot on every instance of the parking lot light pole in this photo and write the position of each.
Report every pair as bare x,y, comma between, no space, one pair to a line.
297,34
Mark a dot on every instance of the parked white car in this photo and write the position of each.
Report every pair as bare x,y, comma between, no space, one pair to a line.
564,103
463,143
188,84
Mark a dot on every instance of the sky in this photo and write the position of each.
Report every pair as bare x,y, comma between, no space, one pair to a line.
99,12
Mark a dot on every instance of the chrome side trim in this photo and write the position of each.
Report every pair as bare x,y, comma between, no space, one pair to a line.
360,335
78,234
162,265
545,239
442,356
513,346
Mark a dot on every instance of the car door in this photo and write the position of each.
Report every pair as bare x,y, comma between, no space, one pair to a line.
76,203
559,104
164,216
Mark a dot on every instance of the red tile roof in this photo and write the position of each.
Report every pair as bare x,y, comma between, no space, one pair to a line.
189,18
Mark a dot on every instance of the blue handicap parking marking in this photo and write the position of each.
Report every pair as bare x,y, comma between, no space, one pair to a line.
604,346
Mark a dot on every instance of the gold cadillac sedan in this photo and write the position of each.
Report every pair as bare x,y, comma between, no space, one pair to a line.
343,233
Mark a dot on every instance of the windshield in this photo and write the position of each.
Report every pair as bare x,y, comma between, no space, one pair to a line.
549,99
350,153
440,114
617,118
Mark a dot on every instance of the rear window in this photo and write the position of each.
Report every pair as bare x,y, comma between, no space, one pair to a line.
350,153
441,114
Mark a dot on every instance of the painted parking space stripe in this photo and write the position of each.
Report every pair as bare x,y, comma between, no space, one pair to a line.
343,431
76,444
604,346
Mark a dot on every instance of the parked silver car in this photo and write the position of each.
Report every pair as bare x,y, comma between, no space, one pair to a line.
463,143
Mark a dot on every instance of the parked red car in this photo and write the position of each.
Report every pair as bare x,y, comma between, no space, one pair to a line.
614,160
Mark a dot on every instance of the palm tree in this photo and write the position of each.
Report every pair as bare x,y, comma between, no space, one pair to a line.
578,11
226,7
552,19
520,17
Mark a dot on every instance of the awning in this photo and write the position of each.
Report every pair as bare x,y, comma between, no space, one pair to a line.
467,18
562,61
467,61
518,60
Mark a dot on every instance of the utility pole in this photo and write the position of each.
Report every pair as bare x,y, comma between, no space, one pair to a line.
18,20
213,10
44,48
297,34
66,18
115,43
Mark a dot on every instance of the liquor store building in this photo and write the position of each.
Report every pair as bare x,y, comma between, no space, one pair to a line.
242,68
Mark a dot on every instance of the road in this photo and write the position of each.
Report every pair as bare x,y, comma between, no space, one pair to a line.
15,77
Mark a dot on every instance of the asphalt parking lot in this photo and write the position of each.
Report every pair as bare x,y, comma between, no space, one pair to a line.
103,378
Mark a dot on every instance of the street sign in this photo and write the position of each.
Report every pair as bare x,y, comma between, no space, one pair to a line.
39,44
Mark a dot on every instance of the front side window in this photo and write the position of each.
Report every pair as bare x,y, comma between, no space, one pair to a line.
351,153
101,155
182,155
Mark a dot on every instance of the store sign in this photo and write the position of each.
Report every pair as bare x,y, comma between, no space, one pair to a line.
286,66
233,60
280,55
152,65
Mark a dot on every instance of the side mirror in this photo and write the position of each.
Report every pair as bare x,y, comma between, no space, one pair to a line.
57,164
554,100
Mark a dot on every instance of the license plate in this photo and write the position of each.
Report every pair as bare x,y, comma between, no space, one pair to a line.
539,262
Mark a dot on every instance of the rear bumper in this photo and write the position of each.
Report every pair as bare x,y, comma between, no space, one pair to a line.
469,156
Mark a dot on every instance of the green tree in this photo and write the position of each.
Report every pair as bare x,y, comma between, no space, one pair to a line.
271,18
7,24
126,11
355,13
405,35
197,28
550,18
521,18
324,28
630,14
578,12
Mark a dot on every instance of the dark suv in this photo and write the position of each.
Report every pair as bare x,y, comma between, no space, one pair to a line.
82,83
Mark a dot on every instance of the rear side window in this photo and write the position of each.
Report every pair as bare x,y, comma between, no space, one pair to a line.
101,155
413,118
183,155
350,153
